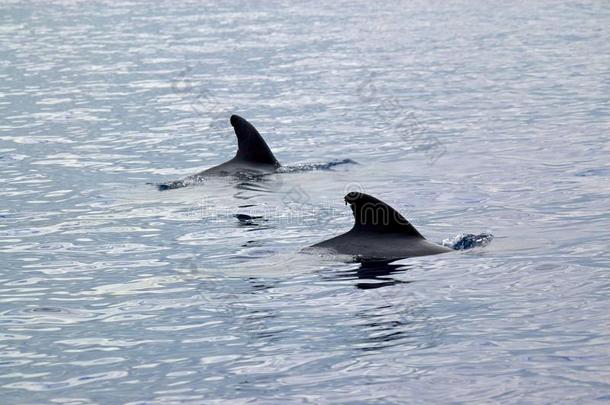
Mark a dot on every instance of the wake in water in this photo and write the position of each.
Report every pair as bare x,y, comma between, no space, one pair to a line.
308,167
465,241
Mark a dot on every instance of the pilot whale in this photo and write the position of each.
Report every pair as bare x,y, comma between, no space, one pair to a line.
253,157
379,233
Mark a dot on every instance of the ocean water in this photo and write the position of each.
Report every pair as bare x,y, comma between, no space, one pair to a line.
467,116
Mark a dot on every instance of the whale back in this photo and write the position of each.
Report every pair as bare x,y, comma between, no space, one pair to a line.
379,233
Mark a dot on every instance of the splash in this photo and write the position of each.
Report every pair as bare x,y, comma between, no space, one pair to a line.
465,241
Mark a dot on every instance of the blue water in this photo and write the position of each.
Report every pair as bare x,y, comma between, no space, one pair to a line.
468,117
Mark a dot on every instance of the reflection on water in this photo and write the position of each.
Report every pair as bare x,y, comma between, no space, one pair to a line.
371,274
471,118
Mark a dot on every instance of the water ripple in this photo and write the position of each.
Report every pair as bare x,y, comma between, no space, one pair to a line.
472,117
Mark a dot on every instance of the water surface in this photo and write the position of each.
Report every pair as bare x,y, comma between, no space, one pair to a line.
465,116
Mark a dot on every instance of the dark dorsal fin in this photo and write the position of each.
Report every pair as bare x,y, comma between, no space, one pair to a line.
251,147
373,215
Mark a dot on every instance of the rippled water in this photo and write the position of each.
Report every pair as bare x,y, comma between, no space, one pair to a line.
468,117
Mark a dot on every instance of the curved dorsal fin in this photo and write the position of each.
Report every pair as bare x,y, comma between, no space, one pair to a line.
373,215
251,147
